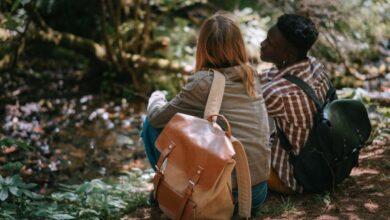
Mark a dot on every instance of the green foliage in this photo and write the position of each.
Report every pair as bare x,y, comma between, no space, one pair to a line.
323,198
285,206
12,167
9,142
168,5
15,16
90,200
385,111
14,186
17,3
170,83
183,41
343,37
101,200
231,5
352,33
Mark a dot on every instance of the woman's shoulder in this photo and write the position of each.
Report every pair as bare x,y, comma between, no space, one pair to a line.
204,76
201,79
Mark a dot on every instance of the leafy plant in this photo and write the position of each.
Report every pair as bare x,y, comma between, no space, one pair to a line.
323,198
9,142
12,167
93,199
101,200
13,185
285,206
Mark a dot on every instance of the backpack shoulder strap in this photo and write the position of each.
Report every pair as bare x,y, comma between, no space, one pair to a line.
331,94
243,179
305,87
284,142
213,106
214,99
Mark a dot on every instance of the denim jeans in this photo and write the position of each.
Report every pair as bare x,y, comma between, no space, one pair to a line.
259,194
149,136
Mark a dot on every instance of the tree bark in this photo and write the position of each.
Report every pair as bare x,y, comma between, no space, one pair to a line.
93,50
5,62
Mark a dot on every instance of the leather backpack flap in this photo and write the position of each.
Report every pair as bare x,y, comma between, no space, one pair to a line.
207,147
194,145
350,125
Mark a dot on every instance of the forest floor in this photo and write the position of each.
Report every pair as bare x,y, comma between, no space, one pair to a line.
78,137
364,195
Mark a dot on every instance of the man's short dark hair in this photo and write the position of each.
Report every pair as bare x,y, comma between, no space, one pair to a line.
298,30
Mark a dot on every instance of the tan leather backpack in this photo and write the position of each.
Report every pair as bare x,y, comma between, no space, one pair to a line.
193,178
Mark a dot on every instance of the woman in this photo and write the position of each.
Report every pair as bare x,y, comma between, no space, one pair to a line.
286,46
221,47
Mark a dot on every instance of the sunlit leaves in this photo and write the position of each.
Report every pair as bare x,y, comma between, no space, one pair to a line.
62,216
14,185
94,199
14,190
15,18
3,194
10,23
70,196
17,3
31,195
167,5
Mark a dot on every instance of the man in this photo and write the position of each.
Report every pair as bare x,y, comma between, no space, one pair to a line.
286,46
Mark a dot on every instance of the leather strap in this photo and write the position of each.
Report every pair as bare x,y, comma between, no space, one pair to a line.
190,189
214,100
160,167
228,129
213,106
243,179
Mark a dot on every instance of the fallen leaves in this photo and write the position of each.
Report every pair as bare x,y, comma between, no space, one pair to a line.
8,150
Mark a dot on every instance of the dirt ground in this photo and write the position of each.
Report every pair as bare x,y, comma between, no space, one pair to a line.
364,195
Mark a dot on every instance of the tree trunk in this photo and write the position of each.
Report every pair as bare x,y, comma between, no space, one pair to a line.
95,51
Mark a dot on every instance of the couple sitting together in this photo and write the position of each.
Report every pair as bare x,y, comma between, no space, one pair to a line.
253,103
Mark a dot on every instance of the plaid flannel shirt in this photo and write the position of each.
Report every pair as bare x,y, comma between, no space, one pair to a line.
292,110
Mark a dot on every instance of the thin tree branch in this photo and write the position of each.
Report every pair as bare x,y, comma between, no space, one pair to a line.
109,49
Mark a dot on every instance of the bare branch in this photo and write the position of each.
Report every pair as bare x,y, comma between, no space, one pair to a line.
92,50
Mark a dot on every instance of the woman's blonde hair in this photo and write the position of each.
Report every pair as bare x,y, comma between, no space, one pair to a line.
220,44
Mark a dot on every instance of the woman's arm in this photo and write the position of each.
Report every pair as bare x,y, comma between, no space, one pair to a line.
191,100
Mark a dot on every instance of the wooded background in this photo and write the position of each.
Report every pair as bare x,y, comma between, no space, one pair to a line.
75,76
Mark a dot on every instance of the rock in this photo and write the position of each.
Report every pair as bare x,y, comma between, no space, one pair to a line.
122,140
382,68
373,71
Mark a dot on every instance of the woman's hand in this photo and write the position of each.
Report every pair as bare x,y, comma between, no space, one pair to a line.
157,97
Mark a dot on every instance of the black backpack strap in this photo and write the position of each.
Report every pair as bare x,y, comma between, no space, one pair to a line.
284,142
305,87
331,94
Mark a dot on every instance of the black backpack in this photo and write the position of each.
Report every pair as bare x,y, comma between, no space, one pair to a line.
340,130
